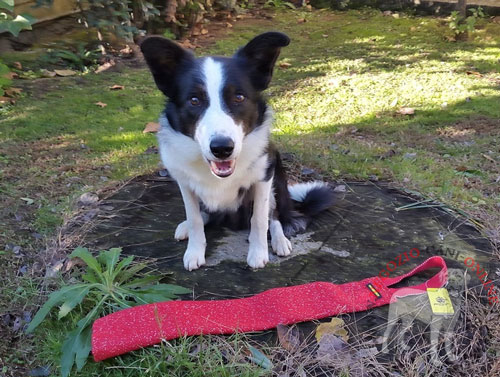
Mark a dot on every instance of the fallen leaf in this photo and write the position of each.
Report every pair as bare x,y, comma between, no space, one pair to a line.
204,31
17,65
117,87
324,35
105,66
366,352
285,65
47,73
151,127
64,72
12,92
28,201
11,75
228,24
333,346
301,20
7,100
487,157
101,104
334,327
187,44
88,199
288,337
406,111
474,73
127,50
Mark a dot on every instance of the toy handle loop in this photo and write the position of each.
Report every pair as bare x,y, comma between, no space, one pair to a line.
437,281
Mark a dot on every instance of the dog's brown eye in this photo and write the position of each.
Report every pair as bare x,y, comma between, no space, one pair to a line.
195,101
239,98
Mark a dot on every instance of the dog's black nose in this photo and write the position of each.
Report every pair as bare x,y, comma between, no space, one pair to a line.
222,147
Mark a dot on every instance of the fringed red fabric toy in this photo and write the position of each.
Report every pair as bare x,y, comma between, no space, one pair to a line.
145,325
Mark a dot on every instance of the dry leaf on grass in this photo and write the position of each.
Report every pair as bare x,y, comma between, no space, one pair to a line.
334,327
487,157
105,66
333,347
151,127
64,72
13,92
285,65
7,100
47,73
11,75
406,111
187,44
474,73
288,337
101,104
127,50
117,87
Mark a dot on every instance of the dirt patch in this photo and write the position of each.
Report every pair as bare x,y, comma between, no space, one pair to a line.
469,128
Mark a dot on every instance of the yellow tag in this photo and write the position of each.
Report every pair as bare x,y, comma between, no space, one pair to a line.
440,301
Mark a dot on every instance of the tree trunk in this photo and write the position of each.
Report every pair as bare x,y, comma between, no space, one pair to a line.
462,8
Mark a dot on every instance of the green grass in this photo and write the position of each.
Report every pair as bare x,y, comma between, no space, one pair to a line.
336,109
186,356
349,75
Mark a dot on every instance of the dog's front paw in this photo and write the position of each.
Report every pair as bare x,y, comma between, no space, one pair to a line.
257,257
181,233
281,245
194,258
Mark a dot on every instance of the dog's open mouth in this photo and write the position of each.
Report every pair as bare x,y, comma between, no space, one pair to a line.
222,168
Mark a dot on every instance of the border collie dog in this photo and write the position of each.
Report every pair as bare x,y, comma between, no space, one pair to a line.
214,141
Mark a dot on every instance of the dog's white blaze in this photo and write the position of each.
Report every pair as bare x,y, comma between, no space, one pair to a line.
215,121
214,79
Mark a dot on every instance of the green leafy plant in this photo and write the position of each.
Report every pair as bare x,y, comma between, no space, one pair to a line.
279,4
460,25
81,58
11,24
109,284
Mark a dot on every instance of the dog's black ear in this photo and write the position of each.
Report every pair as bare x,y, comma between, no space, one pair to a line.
164,58
260,55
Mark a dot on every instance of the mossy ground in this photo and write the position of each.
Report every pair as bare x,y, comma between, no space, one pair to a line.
336,109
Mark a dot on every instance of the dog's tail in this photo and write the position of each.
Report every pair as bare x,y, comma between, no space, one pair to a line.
309,199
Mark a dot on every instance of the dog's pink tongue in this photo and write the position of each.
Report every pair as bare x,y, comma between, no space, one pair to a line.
223,165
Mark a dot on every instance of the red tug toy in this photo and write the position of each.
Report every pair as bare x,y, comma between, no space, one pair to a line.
145,325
